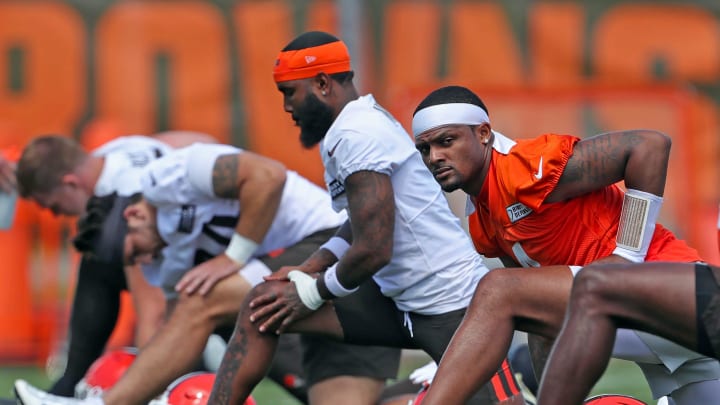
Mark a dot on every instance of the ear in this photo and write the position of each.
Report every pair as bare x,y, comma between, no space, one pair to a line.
133,211
483,133
70,179
322,83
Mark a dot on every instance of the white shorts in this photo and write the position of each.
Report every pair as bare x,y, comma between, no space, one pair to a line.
667,366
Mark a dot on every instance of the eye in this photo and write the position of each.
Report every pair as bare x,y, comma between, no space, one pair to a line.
446,141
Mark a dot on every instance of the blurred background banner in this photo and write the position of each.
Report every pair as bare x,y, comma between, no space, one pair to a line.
97,69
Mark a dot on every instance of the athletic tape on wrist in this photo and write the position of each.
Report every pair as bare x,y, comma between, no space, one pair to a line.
240,249
637,224
333,284
337,245
307,289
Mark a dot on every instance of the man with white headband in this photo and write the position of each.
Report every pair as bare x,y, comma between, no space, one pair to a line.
401,271
546,201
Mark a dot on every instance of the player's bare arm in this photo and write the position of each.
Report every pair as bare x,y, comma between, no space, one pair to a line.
257,183
371,206
639,157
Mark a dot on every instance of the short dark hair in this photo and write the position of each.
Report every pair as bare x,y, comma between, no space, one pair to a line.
101,230
451,94
45,161
310,39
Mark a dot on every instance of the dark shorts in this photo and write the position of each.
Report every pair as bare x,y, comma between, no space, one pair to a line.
368,317
324,358
707,296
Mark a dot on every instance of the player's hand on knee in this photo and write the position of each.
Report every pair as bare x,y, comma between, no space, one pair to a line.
276,312
203,277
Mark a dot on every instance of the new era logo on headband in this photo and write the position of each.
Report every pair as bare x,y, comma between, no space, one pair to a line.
310,59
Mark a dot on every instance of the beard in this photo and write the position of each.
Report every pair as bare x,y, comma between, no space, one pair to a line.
315,119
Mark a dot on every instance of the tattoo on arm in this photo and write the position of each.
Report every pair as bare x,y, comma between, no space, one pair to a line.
225,176
596,162
371,205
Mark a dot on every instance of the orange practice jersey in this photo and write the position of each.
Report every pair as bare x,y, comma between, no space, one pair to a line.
510,218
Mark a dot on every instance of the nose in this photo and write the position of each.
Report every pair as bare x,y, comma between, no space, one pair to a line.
435,155
287,106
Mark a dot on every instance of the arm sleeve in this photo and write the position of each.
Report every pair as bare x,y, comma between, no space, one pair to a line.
94,313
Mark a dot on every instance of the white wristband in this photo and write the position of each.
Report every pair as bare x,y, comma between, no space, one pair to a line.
307,289
240,249
637,224
337,246
333,284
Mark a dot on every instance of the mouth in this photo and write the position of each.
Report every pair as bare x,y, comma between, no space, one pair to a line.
442,172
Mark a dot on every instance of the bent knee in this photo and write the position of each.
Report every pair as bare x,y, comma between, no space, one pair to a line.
592,285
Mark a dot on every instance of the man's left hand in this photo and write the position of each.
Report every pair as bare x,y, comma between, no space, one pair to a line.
203,277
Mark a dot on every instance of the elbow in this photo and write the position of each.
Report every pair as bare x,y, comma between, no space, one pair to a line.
275,175
657,141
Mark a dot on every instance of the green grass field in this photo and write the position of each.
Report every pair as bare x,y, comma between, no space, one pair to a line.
622,377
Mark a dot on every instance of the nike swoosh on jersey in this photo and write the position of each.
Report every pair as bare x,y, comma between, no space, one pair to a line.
331,151
538,175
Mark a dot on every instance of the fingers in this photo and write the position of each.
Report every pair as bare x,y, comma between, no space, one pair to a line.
265,308
207,285
276,277
264,299
275,319
190,283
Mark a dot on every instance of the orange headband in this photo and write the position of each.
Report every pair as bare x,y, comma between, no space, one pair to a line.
306,63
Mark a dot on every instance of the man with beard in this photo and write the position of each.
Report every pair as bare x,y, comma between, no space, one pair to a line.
408,270
212,220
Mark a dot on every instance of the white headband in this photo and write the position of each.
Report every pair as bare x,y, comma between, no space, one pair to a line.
447,114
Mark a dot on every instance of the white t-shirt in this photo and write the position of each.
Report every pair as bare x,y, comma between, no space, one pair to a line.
124,159
434,267
197,225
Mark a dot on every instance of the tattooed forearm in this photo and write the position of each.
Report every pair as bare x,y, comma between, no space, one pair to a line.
234,355
371,205
598,161
225,176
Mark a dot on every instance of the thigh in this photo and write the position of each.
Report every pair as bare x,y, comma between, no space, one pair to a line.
432,333
708,309
324,358
655,297
369,318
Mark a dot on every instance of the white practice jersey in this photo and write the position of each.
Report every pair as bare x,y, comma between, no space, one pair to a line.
124,159
197,225
434,268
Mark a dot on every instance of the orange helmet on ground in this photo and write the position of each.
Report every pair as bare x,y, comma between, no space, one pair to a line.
612,399
105,372
191,389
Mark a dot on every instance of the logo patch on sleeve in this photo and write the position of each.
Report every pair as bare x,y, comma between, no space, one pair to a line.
336,188
187,219
517,211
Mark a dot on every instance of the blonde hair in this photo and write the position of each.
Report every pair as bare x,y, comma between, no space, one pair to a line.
45,161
